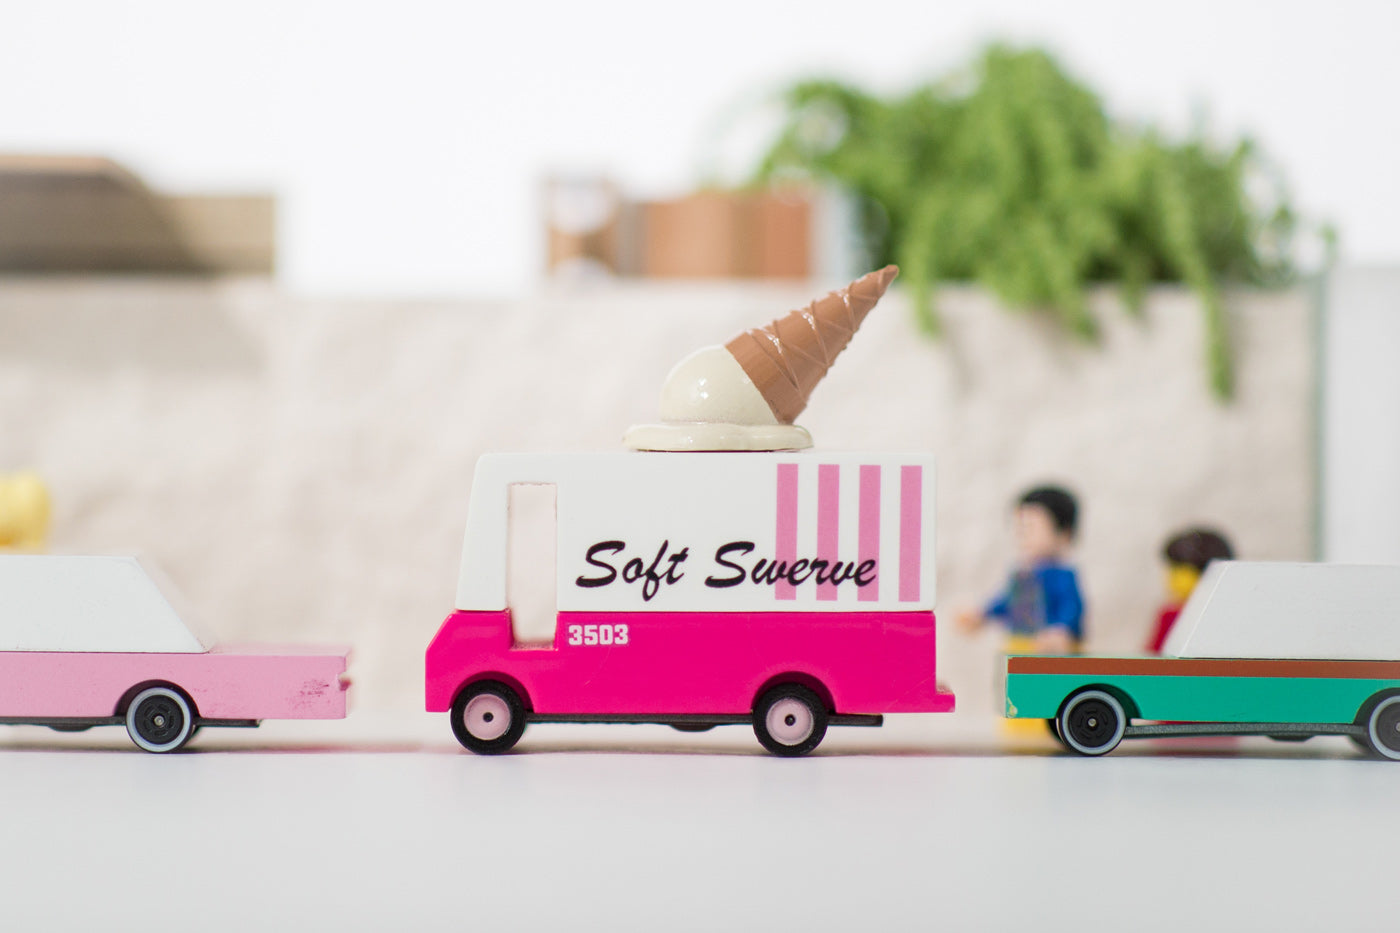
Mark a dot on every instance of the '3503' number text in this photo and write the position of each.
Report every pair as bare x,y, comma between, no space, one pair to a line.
598,634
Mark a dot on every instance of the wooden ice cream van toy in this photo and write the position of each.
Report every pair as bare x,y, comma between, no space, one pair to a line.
716,573
788,590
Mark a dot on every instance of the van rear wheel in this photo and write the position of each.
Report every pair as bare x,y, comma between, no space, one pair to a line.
790,720
488,718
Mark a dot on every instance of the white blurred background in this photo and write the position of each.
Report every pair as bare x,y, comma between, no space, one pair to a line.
406,142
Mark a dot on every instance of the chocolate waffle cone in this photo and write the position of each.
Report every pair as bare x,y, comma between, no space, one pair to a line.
787,358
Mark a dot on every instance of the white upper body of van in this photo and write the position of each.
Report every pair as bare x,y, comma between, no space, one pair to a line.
808,531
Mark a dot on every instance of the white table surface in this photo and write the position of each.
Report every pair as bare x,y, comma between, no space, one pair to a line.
382,823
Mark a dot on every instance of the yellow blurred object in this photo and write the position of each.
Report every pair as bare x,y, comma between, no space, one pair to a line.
1022,732
1181,580
1019,644
24,512
1035,644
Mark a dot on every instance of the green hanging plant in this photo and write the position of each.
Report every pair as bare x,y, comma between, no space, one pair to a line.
1013,176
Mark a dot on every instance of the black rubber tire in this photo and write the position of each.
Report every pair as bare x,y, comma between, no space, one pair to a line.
509,703
160,719
1092,722
1383,728
692,726
798,706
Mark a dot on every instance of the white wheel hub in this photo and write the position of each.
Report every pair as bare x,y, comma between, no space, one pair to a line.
487,717
789,721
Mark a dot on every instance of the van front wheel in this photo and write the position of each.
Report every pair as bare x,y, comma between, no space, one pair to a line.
488,718
790,720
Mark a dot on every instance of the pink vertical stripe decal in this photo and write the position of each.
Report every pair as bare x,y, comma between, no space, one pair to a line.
828,522
911,528
787,525
869,545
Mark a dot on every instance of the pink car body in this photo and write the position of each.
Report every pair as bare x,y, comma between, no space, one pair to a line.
228,683
781,589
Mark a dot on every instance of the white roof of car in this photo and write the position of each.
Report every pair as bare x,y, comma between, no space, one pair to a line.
89,604
1256,609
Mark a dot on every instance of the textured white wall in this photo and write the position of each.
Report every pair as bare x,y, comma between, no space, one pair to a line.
301,468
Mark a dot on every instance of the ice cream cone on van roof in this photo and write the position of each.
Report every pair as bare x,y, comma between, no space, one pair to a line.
787,358
746,394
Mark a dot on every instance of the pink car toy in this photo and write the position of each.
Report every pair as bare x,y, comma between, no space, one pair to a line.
90,641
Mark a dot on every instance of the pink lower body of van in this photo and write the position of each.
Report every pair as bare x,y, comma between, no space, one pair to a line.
616,663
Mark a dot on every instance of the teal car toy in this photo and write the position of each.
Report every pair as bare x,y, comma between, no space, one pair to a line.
1283,650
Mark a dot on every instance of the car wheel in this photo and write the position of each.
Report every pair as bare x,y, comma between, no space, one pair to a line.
1092,722
159,719
790,720
1383,728
488,718
1053,727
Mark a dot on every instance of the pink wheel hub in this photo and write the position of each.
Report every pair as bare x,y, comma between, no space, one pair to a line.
789,721
487,717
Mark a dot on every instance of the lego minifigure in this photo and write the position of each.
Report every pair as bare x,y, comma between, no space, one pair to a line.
1187,555
1041,607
